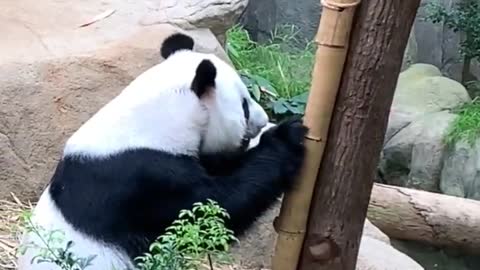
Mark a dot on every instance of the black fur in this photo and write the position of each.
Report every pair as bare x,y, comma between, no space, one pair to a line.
204,79
175,42
246,111
130,198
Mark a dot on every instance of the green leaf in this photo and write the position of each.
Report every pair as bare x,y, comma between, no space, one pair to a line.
279,107
302,98
255,90
294,109
264,83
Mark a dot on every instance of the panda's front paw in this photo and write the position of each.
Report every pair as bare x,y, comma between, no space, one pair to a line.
290,133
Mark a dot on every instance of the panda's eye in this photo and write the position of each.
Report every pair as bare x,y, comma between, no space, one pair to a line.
246,111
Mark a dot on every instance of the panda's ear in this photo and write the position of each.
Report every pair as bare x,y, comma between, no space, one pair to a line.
204,80
174,43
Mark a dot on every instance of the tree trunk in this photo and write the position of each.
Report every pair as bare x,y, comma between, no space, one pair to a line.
356,135
434,219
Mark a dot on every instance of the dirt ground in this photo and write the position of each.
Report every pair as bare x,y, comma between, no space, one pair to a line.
10,221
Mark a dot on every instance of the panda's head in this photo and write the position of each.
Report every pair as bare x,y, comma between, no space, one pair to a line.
188,103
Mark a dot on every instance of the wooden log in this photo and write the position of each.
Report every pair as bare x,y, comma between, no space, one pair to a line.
430,218
356,134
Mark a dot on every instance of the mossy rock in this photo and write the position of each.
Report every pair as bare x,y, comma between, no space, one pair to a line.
429,93
417,72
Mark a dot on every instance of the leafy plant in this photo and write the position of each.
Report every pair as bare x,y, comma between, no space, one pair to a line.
197,235
54,249
277,73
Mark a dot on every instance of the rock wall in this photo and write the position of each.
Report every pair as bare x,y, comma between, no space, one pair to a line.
261,17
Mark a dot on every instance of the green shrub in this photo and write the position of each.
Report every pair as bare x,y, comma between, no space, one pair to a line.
197,234
277,73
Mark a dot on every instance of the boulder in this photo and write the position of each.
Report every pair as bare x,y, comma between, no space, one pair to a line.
413,157
52,29
377,255
217,15
369,230
414,150
460,175
421,89
44,99
428,94
418,71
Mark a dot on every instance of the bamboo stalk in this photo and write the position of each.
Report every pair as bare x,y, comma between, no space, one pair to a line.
332,40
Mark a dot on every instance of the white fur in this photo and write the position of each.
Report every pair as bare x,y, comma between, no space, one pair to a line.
254,142
49,218
159,111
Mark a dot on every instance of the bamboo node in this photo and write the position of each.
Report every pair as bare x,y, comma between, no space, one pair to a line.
313,138
331,4
278,230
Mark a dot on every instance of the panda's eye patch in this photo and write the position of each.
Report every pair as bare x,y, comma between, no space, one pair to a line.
246,111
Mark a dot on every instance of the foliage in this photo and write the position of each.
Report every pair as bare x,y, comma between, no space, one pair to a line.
53,250
466,127
473,88
277,73
464,17
197,234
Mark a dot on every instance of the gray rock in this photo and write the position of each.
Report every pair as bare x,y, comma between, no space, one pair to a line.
369,230
411,51
32,32
460,175
377,255
43,100
429,94
421,89
262,16
216,15
414,156
400,116
260,19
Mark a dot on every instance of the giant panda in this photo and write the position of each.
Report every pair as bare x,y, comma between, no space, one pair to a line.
176,135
